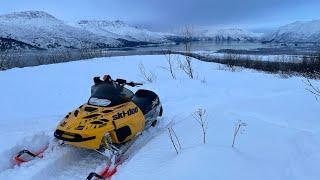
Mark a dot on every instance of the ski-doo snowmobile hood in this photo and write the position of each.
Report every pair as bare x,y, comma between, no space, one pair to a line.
86,126
86,117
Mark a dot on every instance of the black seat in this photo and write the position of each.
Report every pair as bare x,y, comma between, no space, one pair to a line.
144,99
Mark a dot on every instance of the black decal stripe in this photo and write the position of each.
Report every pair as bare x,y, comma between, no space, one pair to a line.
114,124
91,116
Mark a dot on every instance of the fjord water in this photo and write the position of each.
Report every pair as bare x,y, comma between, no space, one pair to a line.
210,46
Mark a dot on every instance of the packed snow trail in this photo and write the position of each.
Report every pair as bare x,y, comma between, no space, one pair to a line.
137,144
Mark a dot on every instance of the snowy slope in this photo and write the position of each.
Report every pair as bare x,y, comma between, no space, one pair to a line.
40,29
234,35
229,34
120,29
281,141
300,31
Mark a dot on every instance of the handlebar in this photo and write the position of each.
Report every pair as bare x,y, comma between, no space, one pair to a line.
133,84
124,82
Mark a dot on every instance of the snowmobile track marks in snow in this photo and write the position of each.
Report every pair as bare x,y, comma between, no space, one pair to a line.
111,168
35,144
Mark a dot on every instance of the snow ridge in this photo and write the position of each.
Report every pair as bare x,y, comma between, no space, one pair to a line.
42,30
120,29
28,15
235,34
228,34
299,31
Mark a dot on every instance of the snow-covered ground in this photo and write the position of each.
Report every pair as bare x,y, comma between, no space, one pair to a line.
280,142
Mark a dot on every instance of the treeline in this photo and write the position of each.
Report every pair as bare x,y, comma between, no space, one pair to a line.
308,66
20,59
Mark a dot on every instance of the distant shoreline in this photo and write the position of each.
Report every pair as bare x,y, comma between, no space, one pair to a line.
305,66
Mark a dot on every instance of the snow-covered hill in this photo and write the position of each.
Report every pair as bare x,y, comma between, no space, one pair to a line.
281,140
300,31
233,35
121,30
42,30
230,34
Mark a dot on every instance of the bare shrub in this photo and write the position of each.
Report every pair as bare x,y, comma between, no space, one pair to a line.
149,76
312,89
187,34
170,66
201,117
231,61
174,139
237,128
186,66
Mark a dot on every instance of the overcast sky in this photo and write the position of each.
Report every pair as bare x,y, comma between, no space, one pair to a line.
171,14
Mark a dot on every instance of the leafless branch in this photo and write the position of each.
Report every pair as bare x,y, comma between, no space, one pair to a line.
147,75
201,117
174,139
186,66
312,89
170,66
237,128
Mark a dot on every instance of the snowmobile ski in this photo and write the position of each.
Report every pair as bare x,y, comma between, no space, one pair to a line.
107,173
25,155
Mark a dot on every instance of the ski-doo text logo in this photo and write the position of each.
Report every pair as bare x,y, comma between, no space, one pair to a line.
123,114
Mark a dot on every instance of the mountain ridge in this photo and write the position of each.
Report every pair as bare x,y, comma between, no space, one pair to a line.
298,31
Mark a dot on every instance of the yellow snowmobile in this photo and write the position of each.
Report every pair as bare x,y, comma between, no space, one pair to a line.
112,116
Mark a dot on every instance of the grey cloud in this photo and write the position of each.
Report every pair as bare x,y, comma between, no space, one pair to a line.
173,13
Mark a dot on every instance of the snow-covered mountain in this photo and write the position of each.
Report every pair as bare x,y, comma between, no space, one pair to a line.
231,34
234,35
121,30
299,31
42,30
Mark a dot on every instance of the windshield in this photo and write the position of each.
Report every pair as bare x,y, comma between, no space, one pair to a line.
106,94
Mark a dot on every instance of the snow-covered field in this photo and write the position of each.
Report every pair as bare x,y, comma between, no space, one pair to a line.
280,142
